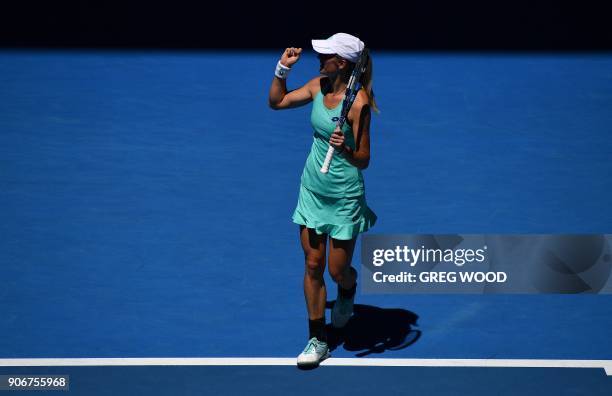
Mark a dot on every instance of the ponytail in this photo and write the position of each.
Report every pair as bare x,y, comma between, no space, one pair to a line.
365,80
366,83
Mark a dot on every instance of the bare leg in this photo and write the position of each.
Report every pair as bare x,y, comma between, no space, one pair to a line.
314,285
340,256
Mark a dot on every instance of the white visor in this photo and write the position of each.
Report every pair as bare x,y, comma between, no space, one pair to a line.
343,44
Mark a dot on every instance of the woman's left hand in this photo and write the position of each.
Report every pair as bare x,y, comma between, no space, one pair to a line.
337,139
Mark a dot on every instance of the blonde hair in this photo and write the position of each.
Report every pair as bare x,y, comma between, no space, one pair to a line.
365,80
366,84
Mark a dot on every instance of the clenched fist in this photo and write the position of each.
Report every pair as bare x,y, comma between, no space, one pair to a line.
290,56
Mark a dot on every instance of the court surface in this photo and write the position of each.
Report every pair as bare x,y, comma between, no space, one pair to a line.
145,212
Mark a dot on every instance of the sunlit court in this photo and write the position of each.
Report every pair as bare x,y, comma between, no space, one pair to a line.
149,245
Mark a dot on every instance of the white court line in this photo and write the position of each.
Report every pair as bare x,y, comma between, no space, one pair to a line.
526,363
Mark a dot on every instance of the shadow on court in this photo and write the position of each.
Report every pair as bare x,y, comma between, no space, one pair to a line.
374,330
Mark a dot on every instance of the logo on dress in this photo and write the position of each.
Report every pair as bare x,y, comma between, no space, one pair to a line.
335,119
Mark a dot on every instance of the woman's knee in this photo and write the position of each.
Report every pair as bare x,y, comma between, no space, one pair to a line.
339,273
340,257
315,266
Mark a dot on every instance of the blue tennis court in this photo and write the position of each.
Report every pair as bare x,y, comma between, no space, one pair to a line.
146,202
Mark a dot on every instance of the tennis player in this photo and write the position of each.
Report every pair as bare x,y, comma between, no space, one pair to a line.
331,205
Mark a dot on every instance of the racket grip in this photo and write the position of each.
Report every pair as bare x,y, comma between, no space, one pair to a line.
328,158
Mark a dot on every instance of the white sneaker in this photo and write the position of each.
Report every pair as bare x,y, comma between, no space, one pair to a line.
343,308
342,311
315,352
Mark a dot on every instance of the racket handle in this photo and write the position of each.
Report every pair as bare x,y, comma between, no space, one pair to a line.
328,158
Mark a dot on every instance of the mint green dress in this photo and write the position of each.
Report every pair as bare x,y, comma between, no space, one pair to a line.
331,203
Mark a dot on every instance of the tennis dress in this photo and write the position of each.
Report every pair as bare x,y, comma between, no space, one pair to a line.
331,203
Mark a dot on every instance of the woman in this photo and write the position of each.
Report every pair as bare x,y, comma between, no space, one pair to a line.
330,205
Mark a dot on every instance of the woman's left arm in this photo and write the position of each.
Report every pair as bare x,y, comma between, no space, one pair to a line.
360,116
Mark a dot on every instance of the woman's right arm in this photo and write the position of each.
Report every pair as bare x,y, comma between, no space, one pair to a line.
279,97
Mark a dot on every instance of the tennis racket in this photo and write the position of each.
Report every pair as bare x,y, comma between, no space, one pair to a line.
352,88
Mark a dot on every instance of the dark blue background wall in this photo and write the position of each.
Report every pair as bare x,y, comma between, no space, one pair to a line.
430,25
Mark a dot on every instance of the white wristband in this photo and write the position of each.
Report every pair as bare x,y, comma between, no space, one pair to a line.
281,71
